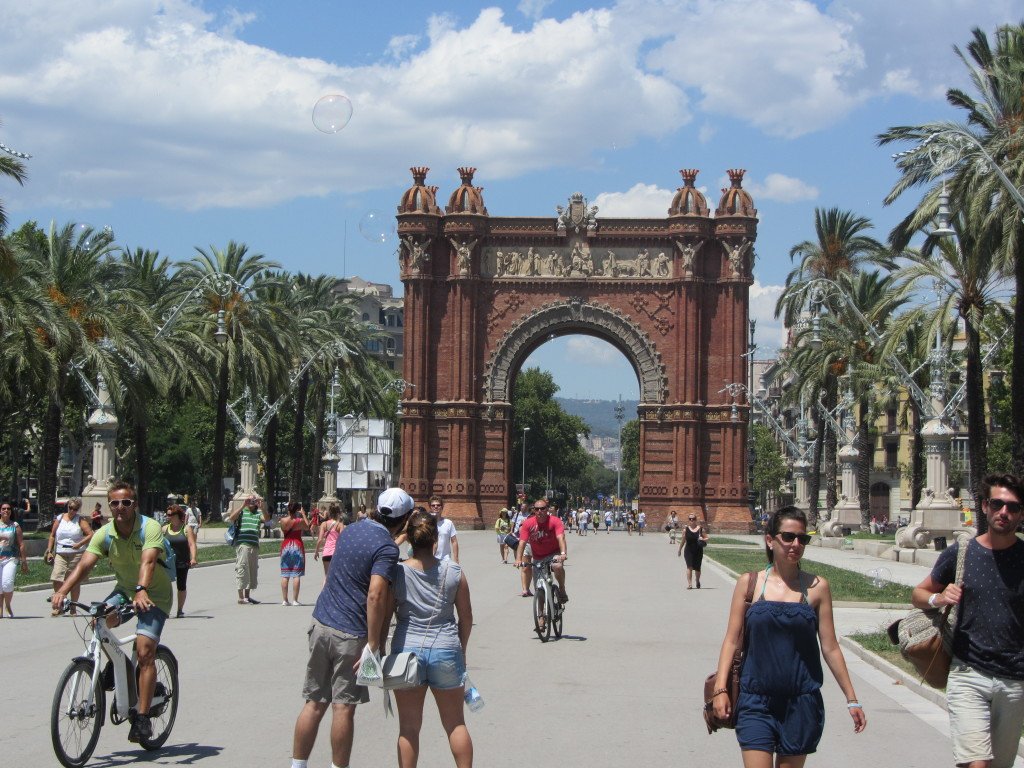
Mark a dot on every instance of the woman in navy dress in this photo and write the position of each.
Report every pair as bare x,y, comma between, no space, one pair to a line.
780,713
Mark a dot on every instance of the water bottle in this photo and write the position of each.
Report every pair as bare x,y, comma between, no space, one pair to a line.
474,700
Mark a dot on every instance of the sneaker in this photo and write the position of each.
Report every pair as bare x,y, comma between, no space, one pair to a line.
285,602
250,601
141,730
180,614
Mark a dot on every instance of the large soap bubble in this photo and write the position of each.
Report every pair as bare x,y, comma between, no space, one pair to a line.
880,577
331,113
377,227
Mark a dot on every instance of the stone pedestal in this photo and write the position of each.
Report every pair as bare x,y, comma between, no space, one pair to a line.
801,471
103,425
847,511
937,514
248,458
330,464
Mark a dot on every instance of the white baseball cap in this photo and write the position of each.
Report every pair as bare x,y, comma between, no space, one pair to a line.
394,502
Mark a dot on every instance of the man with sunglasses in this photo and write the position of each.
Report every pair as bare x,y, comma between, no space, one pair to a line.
985,692
546,536
447,537
132,543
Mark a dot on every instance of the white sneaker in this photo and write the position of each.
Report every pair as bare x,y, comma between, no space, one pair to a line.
296,602
285,602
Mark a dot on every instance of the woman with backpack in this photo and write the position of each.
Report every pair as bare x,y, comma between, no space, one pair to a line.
183,541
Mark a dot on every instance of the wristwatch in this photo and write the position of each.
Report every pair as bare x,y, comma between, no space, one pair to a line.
140,588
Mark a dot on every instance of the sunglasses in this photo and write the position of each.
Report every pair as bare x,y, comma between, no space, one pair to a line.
539,509
435,505
692,518
996,505
121,502
789,537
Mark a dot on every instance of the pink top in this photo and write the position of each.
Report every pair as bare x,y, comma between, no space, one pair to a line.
543,539
331,539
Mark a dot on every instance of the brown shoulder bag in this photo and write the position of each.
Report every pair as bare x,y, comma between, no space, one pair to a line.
732,683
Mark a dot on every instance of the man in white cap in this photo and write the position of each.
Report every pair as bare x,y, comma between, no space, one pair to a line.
349,614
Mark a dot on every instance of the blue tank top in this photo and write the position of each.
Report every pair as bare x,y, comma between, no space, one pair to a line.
782,657
9,539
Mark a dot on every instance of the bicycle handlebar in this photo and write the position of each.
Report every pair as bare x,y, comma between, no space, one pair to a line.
542,561
96,610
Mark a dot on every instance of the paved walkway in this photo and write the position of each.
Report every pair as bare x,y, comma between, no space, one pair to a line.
623,687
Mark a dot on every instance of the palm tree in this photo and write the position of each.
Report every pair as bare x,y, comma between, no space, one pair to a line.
993,121
243,318
94,325
969,286
840,248
11,167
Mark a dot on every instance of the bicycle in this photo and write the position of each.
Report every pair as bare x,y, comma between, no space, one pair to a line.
547,606
79,703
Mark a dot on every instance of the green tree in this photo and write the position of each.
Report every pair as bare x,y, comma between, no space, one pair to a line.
993,112
631,458
12,168
770,466
552,442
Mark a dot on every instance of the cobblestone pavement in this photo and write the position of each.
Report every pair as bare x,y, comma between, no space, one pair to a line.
623,687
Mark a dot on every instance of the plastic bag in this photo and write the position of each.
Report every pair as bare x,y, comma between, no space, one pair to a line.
370,671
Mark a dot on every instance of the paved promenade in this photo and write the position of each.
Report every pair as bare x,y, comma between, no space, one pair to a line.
623,687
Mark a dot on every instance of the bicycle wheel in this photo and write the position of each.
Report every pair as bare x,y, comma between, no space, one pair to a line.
164,707
556,609
541,624
75,722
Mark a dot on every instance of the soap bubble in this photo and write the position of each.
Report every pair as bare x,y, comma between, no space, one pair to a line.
331,113
880,577
377,227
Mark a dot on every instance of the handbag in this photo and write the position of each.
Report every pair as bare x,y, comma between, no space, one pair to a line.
732,683
925,637
231,534
511,540
401,670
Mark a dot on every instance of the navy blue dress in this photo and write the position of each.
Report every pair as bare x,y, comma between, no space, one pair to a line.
780,709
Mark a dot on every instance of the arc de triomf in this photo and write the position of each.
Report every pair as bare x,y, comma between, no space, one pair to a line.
483,292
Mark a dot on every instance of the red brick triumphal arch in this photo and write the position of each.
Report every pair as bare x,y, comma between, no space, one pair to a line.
482,292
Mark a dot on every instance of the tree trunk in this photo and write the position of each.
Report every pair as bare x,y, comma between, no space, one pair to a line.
316,454
917,470
831,447
865,461
298,435
814,480
219,438
270,465
1017,383
976,432
49,460
140,424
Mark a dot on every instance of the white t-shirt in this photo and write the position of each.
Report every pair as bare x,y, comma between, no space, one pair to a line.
445,534
642,518
191,519
584,517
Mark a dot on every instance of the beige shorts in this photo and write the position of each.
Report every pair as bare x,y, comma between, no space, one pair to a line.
330,671
986,713
247,563
64,564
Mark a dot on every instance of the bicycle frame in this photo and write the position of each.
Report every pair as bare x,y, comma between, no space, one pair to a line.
105,643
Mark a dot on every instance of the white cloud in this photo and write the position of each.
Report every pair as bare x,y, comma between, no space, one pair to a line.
147,100
770,334
586,350
640,200
784,189
236,22
533,9
401,46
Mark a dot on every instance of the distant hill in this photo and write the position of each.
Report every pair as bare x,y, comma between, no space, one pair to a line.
599,414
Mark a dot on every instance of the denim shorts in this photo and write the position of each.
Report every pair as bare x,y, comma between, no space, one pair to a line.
445,668
148,623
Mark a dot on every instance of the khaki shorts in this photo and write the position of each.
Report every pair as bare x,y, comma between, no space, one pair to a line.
330,671
985,715
64,564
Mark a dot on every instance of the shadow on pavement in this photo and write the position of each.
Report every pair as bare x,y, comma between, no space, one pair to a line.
180,754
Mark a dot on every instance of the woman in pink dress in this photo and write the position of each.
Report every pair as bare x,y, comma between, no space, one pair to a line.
293,553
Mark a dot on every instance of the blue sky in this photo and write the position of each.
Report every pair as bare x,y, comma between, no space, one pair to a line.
184,123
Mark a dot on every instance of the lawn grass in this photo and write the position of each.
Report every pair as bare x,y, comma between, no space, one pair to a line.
846,585
878,643
39,572
733,542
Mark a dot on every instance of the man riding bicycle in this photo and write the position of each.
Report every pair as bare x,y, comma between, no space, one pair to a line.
546,536
132,551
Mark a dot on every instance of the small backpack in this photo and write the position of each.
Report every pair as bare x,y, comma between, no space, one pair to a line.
168,562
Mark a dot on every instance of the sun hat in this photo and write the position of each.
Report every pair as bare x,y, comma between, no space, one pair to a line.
394,502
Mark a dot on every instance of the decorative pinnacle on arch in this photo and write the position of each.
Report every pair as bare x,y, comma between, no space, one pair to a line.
466,174
689,176
736,176
419,174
